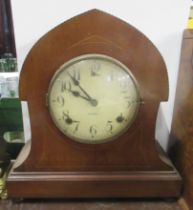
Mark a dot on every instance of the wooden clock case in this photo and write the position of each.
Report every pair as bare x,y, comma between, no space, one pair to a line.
130,166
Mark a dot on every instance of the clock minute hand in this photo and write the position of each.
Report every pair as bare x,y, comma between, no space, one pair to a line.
76,82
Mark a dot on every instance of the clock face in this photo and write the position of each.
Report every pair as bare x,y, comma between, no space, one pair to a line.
93,98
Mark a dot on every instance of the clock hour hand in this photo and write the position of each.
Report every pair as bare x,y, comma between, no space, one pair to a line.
77,94
89,98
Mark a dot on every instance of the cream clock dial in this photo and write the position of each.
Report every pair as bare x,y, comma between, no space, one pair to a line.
93,98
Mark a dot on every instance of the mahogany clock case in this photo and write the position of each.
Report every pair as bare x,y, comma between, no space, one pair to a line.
129,166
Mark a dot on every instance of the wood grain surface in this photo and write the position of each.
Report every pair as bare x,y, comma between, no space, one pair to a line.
90,205
182,124
135,149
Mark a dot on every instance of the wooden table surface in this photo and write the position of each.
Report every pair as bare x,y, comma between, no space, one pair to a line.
90,205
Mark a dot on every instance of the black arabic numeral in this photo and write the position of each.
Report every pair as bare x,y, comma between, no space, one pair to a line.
66,85
77,123
95,69
109,126
60,100
76,74
93,131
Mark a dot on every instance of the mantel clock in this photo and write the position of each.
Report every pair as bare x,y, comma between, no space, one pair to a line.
93,86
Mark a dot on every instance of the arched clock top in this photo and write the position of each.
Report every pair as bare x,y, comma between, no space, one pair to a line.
95,32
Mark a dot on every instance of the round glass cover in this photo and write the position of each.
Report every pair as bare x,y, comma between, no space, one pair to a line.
93,98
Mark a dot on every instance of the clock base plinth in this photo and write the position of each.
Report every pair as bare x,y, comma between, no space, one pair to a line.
94,184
